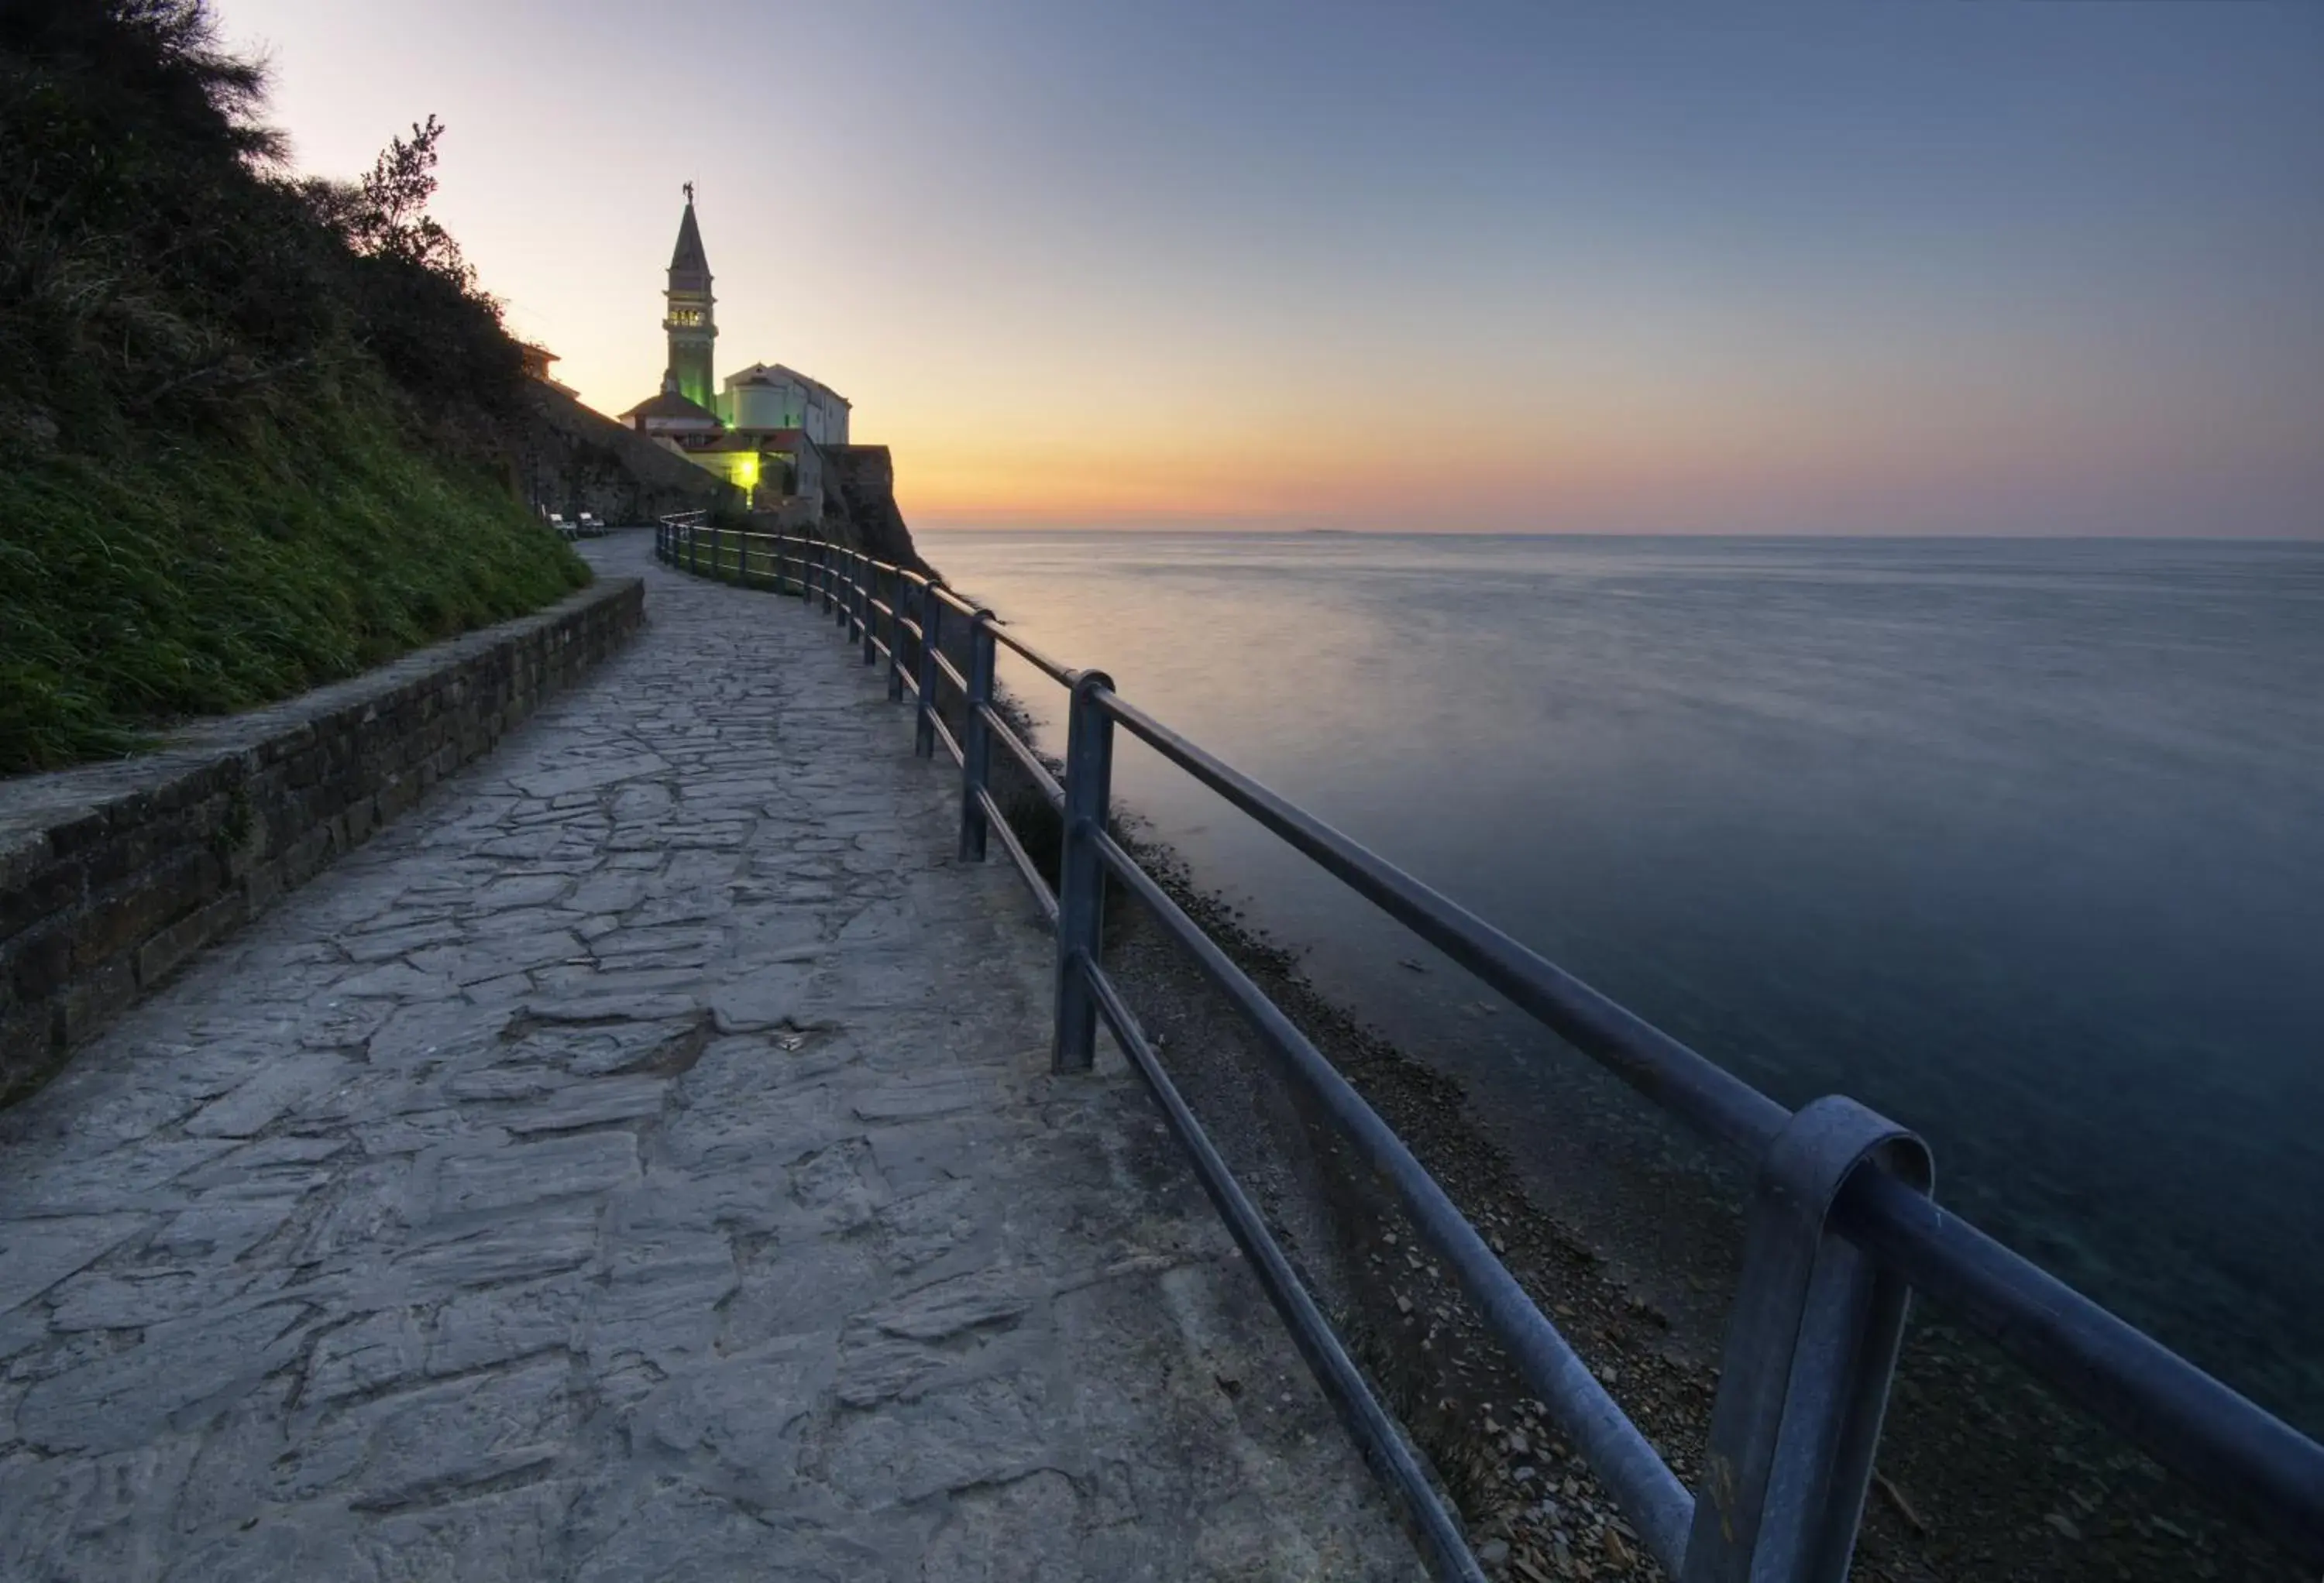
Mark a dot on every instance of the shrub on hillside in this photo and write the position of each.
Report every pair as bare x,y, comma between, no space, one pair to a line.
252,428
156,265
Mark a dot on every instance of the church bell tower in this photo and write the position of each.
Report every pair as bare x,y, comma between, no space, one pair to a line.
688,321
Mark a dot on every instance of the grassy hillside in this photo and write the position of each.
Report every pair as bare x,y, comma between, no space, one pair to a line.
251,429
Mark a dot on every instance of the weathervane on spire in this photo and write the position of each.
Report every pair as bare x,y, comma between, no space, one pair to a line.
689,192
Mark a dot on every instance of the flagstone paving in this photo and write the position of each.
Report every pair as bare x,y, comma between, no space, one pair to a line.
642,1163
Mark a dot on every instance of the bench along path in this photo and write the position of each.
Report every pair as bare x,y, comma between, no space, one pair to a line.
642,1163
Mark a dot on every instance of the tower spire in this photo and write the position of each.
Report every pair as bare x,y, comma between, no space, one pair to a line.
689,322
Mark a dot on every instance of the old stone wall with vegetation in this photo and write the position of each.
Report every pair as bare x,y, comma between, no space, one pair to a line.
571,459
112,875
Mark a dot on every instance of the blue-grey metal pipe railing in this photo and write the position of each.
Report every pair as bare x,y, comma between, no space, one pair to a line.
1840,1228
1377,1434
1713,1101
1649,1493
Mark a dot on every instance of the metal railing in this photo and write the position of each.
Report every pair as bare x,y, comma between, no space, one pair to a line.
1839,1231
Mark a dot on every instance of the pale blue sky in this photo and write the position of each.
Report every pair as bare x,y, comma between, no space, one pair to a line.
1866,268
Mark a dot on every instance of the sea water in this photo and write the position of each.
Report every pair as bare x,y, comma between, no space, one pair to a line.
2020,842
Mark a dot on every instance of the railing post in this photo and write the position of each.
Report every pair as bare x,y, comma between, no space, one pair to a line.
866,582
896,635
1081,872
1810,1346
975,737
924,727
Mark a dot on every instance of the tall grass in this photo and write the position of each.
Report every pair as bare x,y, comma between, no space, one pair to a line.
199,579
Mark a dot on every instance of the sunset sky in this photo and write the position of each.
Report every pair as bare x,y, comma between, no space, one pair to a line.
1869,269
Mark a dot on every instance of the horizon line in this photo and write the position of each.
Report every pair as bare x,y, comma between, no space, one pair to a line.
1239,528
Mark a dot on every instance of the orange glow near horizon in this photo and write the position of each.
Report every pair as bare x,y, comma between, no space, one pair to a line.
1447,282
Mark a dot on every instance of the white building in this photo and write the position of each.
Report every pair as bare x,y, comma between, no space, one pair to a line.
676,422
763,432
769,396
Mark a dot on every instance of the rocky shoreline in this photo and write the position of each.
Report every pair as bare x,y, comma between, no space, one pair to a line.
1983,1474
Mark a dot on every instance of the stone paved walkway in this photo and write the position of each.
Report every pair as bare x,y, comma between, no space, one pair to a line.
642,1162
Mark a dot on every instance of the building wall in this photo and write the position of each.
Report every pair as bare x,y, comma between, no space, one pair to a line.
779,401
738,468
750,404
691,324
690,365
824,419
681,431
786,466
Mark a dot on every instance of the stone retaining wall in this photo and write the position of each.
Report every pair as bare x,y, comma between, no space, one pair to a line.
111,875
570,459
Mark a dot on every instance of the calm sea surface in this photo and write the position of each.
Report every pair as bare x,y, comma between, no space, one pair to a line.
2020,842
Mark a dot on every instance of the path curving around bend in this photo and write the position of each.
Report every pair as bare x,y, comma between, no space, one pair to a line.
642,1162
